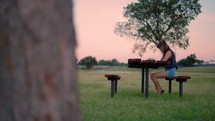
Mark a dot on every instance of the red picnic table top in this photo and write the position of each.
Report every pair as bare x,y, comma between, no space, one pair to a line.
138,63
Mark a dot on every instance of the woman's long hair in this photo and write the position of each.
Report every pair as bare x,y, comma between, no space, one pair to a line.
165,47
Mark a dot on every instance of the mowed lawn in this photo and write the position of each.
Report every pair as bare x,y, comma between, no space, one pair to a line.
129,104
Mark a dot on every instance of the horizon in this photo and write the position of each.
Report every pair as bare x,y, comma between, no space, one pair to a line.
95,21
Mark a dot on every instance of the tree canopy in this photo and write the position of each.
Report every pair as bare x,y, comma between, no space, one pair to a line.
88,61
190,61
154,20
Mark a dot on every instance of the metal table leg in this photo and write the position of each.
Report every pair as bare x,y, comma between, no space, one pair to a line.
116,84
142,82
112,88
170,86
147,83
180,88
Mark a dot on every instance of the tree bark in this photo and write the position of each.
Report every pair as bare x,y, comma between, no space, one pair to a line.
37,61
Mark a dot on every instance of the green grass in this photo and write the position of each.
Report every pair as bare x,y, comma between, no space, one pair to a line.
129,104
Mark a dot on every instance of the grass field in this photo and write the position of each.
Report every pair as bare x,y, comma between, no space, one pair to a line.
129,104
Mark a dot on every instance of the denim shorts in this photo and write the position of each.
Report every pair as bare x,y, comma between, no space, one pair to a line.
171,72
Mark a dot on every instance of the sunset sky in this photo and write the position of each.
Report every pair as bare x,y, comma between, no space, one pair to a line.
95,22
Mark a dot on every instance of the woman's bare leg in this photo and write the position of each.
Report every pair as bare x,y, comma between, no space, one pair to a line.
154,77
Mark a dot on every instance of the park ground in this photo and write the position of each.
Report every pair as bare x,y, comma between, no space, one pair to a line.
129,104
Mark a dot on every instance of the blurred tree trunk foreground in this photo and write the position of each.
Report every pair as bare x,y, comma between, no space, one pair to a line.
37,61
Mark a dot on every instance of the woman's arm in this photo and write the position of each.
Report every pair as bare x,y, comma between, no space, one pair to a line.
167,56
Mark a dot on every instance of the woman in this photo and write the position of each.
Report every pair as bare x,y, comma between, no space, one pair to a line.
170,68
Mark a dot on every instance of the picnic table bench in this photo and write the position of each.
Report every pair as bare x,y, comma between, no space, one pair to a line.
179,79
114,82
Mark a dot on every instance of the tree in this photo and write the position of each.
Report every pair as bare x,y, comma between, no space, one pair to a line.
190,61
156,20
88,61
37,61
113,62
103,62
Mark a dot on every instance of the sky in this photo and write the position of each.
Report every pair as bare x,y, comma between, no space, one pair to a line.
95,21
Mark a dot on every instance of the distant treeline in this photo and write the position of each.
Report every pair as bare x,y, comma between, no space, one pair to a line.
113,62
90,61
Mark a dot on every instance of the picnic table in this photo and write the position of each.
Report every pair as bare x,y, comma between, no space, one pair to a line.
145,65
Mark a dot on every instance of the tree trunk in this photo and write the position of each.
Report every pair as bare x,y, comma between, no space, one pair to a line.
37,61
